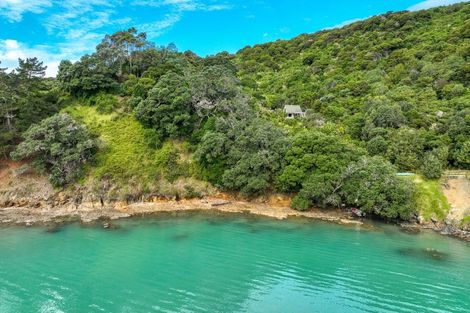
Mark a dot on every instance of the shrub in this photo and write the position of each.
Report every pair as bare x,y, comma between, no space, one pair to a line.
431,167
58,145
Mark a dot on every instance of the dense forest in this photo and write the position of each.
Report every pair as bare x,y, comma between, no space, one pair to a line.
386,95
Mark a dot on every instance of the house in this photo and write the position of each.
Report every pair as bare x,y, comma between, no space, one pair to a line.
293,111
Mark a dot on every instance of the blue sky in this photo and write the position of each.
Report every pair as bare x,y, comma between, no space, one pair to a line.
54,30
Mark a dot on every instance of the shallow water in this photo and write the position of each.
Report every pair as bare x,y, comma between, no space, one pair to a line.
200,263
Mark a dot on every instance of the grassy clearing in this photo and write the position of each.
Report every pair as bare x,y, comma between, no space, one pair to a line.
128,156
430,200
125,150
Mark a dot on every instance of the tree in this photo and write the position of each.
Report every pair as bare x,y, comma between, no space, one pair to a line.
314,153
462,154
31,68
58,145
242,152
167,108
87,77
372,185
121,49
405,149
381,112
210,88
431,166
25,98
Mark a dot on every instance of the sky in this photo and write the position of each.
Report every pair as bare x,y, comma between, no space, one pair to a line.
54,30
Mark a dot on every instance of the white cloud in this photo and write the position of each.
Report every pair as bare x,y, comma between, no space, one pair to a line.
183,5
157,28
11,50
11,44
433,3
13,10
177,10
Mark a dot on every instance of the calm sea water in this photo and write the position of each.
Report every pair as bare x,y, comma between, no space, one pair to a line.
201,263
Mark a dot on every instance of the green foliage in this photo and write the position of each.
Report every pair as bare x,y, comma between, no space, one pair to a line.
167,109
314,153
388,93
462,154
128,151
125,151
104,102
387,116
432,166
465,220
372,185
167,159
405,149
25,99
59,145
374,77
243,152
86,77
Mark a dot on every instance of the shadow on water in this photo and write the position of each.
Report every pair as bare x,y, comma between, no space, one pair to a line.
424,253
409,230
181,237
54,229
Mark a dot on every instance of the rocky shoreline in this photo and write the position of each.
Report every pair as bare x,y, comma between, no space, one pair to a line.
29,199
31,214
90,212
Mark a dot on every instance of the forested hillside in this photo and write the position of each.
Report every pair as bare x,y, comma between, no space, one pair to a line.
135,120
398,82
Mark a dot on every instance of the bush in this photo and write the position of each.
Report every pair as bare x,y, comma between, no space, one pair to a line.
104,102
58,145
431,167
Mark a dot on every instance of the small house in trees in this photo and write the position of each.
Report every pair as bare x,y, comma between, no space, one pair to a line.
293,111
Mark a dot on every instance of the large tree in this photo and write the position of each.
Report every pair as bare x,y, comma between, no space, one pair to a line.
167,109
31,68
241,151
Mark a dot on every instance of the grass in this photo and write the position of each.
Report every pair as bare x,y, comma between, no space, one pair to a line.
128,156
125,150
466,220
430,200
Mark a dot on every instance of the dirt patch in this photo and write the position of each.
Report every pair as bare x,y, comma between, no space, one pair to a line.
6,168
457,191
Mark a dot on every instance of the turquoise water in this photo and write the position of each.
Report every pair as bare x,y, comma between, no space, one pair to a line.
200,263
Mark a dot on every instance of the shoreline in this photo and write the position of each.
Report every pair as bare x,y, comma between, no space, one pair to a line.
90,213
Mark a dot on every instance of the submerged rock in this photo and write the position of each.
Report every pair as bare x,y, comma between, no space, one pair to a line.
428,253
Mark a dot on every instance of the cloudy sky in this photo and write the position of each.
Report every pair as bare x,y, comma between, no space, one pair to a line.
54,30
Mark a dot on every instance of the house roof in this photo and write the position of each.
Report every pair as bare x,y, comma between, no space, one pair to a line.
293,109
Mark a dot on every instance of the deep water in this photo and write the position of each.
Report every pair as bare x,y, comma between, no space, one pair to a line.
205,263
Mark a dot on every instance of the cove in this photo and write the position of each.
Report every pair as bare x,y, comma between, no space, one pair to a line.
236,263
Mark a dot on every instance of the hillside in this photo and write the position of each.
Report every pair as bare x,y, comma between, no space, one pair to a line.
133,121
398,82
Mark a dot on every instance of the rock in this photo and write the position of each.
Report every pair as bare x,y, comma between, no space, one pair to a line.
106,225
420,219
219,203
